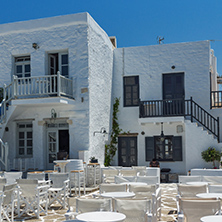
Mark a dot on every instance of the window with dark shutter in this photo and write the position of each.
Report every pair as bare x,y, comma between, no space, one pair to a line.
131,90
177,148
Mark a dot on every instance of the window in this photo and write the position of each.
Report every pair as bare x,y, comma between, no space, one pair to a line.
22,66
25,148
59,62
131,90
167,149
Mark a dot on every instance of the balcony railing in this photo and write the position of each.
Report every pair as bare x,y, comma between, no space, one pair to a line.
178,107
216,99
35,87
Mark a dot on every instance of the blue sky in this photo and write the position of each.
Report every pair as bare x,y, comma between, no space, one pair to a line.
134,23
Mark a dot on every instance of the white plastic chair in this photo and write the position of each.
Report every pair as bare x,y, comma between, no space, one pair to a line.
134,209
34,197
36,175
11,177
214,188
2,183
185,190
142,191
191,209
109,175
212,179
112,188
127,172
77,174
8,204
124,179
141,170
59,190
148,179
185,179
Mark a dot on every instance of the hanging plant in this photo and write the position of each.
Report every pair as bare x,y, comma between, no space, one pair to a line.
211,155
110,149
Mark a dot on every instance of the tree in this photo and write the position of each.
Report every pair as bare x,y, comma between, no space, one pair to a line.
211,155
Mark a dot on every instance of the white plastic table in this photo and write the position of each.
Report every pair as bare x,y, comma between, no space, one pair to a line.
212,218
209,195
103,216
118,194
62,164
134,183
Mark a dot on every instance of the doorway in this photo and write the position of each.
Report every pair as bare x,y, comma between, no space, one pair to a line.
173,94
127,151
57,141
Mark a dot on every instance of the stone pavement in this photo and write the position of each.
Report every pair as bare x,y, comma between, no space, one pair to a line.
56,213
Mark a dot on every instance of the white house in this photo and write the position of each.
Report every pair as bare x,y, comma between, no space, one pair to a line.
60,76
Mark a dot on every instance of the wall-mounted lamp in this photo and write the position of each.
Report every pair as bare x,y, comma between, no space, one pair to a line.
102,130
162,137
35,45
53,115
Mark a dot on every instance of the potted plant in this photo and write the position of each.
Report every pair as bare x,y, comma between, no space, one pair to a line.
93,160
211,155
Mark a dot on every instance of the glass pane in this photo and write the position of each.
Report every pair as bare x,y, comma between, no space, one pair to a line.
130,80
132,151
21,151
21,143
27,68
19,69
132,143
29,142
64,59
123,151
21,125
52,137
29,151
65,71
52,157
29,134
21,135
123,159
28,125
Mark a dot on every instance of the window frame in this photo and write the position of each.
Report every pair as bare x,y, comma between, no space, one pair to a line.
131,91
24,60
177,151
26,138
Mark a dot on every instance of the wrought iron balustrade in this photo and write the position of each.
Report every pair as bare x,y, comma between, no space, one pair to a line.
179,107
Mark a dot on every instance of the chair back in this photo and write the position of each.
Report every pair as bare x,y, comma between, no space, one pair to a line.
194,209
123,179
148,179
142,191
57,179
37,176
109,174
112,187
2,183
89,205
11,177
134,209
141,170
28,187
214,188
9,192
74,164
185,190
212,179
153,171
127,172
184,179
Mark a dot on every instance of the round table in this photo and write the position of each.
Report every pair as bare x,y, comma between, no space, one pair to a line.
62,164
214,218
118,194
103,216
209,195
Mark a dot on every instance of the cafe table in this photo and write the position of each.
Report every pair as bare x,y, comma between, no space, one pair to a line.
101,216
209,195
211,218
118,194
62,164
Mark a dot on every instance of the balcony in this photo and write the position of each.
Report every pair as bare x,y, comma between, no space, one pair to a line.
36,87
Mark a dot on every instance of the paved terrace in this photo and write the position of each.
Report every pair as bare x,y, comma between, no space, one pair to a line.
169,192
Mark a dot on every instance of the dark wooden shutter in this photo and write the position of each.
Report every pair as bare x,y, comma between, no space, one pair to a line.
177,148
149,148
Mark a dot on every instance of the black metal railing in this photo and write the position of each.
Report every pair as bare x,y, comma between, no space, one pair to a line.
216,99
180,107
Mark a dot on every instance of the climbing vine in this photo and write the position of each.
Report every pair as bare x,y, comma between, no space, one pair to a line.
110,149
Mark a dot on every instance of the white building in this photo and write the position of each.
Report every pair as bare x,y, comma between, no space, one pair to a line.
62,75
